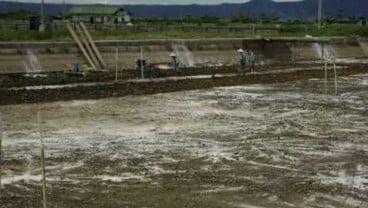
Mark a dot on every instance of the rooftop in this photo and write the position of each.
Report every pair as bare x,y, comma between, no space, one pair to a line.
102,10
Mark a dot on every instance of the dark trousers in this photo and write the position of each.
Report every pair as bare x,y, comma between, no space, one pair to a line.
241,69
253,65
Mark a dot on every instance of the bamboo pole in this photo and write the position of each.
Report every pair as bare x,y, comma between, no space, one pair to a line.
39,119
292,52
89,38
1,153
116,64
81,47
335,73
326,74
142,67
87,46
320,14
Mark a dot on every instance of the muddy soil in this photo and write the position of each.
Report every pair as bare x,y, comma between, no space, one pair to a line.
8,96
57,78
292,144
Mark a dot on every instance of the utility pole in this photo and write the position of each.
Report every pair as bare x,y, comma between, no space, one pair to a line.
319,14
64,10
42,25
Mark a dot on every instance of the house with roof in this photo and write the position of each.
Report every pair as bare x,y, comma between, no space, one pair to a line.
99,15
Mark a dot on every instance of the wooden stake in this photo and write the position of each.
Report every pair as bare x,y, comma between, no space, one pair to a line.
116,64
142,67
335,74
1,138
326,74
39,119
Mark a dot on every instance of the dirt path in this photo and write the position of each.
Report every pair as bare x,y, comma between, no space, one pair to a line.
124,88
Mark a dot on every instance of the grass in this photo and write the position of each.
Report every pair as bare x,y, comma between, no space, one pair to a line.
286,31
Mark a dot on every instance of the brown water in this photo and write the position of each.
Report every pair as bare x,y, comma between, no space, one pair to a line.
281,145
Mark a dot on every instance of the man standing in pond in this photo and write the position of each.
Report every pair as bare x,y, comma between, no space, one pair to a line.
242,61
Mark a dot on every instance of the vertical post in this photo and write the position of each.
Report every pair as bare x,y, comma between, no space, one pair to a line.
64,10
1,153
39,119
42,25
326,75
142,67
323,51
319,14
335,73
116,64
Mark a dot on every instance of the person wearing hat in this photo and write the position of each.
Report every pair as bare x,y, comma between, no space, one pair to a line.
242,61
174,62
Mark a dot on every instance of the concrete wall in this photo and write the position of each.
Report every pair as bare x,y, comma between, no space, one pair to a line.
209,52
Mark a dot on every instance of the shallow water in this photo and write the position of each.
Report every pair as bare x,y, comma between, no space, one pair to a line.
283,145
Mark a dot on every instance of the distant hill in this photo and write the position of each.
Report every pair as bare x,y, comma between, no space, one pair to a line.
306,9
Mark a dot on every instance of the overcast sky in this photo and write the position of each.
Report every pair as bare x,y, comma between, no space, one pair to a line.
143,1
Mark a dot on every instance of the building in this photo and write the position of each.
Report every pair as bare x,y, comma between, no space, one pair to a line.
99,15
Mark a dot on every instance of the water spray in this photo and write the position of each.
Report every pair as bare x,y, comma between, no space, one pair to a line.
39,119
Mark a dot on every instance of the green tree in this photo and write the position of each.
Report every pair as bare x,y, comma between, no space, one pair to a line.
241,18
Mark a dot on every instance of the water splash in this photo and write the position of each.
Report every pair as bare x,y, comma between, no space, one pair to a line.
31,64
325,52
364,46
185,55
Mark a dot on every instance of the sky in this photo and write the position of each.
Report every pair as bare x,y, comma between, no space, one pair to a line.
144,1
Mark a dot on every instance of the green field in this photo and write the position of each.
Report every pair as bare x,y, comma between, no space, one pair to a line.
294,30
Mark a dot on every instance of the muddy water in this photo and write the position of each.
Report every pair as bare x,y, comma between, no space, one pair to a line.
284,145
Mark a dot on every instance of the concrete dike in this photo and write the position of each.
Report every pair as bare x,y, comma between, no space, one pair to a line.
192,52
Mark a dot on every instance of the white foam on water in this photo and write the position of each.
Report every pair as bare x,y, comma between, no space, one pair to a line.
269,165
27,177
242,205
120,178
316,200
352,181
221,189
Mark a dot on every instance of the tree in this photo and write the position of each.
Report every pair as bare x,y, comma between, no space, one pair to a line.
241,18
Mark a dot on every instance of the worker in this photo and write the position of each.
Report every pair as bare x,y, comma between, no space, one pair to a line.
252,59
175,62
242,61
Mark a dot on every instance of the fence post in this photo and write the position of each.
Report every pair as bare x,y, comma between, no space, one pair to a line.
116,64
39,119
